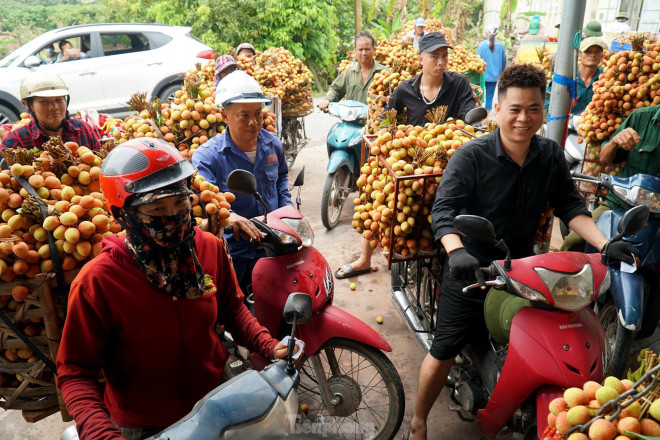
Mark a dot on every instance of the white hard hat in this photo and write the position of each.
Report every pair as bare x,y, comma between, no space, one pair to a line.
39,84
237,87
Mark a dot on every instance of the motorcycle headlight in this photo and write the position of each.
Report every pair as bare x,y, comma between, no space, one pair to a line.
639,196
605,285
570,291
302,228
527,292
643,197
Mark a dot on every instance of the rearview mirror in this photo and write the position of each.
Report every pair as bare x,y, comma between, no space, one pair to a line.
475,228
298,308
32,61
633,221
475,115
300,178
242,181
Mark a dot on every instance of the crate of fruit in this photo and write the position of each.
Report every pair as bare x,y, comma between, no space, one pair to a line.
393,211
591,166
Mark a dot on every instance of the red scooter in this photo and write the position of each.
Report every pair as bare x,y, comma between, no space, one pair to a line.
348,387
543,336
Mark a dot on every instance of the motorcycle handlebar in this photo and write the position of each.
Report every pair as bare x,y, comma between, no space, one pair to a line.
494,283
579,176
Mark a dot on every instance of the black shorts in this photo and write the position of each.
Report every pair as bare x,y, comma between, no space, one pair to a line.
460,318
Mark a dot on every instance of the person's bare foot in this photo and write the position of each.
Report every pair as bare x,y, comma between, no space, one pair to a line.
417,430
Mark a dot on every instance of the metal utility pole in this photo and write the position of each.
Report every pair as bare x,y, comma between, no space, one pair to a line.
358,16
563,84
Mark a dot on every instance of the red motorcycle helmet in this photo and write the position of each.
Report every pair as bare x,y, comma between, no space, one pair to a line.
141,165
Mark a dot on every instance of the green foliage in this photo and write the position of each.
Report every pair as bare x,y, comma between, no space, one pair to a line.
383,29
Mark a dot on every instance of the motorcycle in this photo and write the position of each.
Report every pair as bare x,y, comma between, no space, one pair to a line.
344,153
255,404
631,308
543,337
348,387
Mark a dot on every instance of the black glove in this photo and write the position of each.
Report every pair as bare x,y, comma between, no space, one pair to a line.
619,251
464,266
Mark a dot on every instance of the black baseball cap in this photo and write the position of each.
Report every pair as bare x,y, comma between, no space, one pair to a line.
432,41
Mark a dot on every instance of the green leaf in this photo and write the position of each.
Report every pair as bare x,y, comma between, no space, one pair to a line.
644,437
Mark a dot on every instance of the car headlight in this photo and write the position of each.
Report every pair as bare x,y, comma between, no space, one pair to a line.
302,228
527,292
570,291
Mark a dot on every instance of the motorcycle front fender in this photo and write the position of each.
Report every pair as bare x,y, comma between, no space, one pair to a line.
546,348
332,322
338,159
628,294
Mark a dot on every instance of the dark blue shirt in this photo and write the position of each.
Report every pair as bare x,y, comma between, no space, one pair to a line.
220,156
584,93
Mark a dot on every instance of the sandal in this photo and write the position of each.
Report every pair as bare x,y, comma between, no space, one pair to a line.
349,271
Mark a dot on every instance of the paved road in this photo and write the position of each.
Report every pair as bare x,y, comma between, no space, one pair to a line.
370,299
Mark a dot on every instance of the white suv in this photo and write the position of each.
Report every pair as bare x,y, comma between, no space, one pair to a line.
108,63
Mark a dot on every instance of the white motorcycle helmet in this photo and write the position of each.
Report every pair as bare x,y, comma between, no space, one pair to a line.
39,84
237,87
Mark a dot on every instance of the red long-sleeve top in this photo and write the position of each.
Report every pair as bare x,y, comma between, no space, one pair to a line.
158,355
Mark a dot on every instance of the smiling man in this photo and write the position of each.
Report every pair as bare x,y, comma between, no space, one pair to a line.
508,177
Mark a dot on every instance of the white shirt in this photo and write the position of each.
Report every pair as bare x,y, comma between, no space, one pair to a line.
618,27
411,35
252,155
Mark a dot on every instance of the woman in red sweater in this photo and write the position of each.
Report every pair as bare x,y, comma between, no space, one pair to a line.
144,311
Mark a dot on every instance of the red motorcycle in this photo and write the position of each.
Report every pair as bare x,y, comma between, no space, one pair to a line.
348,387
543,336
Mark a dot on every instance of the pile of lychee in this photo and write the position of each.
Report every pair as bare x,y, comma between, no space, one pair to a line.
579,406
630,81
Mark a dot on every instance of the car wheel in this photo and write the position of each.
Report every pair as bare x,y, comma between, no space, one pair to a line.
167,94
7,115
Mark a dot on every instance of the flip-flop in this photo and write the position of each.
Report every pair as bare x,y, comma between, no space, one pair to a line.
349,271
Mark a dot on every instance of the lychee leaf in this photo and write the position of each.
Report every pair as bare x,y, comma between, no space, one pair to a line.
644,437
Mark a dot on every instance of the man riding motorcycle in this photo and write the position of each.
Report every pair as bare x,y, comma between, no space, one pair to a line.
508,177
245,145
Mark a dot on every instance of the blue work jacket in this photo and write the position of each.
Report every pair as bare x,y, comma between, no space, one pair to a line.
220,156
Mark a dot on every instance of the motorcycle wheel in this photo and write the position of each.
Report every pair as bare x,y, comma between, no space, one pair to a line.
367,387
619,338
333,200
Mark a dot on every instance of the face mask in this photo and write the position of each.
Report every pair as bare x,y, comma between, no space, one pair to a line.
166,230
49,51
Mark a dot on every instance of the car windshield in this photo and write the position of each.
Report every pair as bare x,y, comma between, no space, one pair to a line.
6,61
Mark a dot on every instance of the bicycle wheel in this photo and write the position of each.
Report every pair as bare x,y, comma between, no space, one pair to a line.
367,392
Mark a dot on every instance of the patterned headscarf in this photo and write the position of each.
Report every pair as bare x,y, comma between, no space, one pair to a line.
164,246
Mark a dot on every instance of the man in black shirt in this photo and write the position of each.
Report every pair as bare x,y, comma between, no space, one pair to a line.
508,177
434,87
